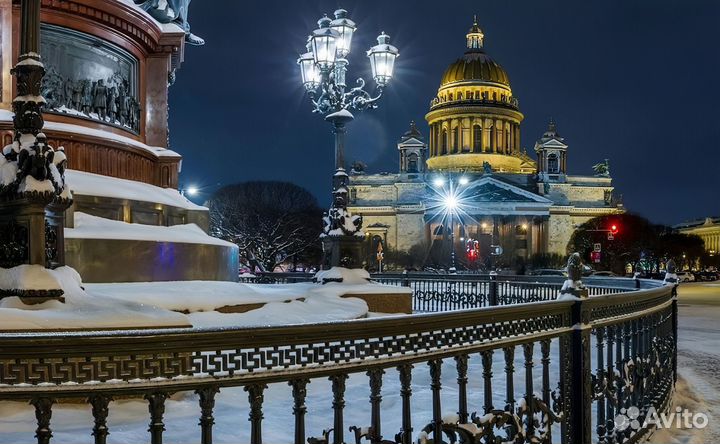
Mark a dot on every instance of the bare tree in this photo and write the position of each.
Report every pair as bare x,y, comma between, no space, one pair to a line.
271,222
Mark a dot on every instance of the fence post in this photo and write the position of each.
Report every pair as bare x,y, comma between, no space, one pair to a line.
405,279
581,379
492,296
675,330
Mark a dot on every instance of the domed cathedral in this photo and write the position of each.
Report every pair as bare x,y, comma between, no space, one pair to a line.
472,166
475,118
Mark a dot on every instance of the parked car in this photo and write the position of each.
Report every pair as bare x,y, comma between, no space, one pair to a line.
707,276
686,276
548,272
603,274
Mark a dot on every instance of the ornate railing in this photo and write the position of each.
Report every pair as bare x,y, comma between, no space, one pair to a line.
548,371
442,292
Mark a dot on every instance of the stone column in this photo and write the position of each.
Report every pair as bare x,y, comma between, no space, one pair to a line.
431,139
155,123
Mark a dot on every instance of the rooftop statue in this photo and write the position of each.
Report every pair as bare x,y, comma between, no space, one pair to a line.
602,168
171,11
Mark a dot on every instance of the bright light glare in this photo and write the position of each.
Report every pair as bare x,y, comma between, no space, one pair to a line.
451,202
439,181
464,180
192,191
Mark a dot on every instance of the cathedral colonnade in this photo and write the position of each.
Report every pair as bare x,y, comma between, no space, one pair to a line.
520,236
473,134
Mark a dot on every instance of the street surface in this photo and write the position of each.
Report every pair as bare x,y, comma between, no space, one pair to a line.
698,388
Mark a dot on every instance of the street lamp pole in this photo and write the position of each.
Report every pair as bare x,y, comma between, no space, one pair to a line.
453,269
34,199
450,200
323,69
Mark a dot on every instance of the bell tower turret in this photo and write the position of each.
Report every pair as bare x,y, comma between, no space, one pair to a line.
413,151
551,152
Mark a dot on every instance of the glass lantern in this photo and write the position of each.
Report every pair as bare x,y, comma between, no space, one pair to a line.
324,44
345,28
309,72
382,59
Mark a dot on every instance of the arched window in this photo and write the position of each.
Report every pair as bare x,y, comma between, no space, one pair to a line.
553,165
477,138
444,142
412,165
456,139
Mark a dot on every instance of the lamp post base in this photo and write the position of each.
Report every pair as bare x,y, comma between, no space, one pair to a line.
342,251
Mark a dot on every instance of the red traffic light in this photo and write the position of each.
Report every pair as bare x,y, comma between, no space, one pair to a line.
614,229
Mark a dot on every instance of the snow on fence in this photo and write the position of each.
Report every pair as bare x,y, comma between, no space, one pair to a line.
548,371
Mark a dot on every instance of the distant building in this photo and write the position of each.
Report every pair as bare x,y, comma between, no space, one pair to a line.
531,206
708,229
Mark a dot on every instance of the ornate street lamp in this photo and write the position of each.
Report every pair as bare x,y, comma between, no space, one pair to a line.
33,200
323,69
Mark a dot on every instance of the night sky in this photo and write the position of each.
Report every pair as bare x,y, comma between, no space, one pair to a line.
637,82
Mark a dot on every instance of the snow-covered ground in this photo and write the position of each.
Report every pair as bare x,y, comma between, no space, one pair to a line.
80,309
187,303
698,388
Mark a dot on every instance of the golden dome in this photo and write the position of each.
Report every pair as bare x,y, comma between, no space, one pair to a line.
476,66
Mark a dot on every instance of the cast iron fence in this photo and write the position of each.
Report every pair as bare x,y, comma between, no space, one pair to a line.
597,356
442,292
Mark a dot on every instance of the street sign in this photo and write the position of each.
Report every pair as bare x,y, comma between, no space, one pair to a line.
596,257
597,247
610,236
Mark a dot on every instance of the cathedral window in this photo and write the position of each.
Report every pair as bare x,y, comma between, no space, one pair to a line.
553,164
444,141
412,166
477,138
456,138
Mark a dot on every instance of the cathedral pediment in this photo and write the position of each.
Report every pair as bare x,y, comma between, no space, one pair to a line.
552,143
489,189
412,141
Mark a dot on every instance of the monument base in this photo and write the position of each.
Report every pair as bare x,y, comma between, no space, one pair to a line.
342,251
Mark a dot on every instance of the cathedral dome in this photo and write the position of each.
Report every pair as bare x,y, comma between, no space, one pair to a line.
475,65
474,118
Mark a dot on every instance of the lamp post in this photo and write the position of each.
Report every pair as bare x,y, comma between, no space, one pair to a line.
34,199
323,69
450,201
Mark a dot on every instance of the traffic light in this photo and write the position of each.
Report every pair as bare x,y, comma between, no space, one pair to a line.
614,228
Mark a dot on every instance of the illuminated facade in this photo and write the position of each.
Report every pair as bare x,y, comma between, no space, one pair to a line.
708,230
525,205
